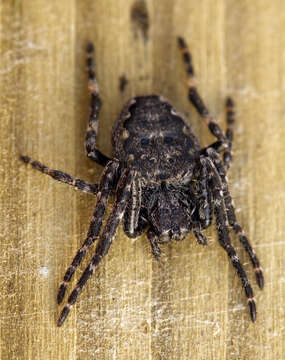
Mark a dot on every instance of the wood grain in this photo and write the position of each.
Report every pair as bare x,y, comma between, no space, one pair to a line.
190,305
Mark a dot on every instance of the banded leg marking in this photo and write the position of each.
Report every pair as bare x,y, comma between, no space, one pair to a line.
95,105
105,187
102,248
61,176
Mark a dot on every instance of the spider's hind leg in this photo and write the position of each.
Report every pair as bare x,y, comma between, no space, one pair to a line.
233,221
95,105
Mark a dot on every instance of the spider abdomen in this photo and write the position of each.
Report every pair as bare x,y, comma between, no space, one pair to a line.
153,138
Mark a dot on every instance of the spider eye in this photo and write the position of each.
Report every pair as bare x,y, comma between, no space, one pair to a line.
144,141
168,140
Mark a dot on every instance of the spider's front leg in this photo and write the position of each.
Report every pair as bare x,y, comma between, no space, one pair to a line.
95,105
102,248
61,176
223,232
105,187
132,213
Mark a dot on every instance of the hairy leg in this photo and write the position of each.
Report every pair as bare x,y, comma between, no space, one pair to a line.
223,233
233,221
95,105
133,222
105,187
61,176
156,252
102,248
219,146
195,98
230,118
200,237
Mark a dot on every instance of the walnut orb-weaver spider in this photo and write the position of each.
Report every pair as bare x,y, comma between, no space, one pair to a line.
161,178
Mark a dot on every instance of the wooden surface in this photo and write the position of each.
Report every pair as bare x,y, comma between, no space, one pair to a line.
191,305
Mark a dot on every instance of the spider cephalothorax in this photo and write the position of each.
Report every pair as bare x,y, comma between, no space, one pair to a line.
162,179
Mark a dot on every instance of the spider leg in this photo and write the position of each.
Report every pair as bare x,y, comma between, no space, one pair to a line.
195,98
156,252
92,152
230,118
132,221
61,176
219,146
142,224
223,233
205,211
233,222
123,193
200,237
105,187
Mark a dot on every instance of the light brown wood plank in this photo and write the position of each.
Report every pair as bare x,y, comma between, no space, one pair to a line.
255,64
191,305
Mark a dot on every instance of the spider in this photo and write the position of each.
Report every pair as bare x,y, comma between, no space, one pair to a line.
163,181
